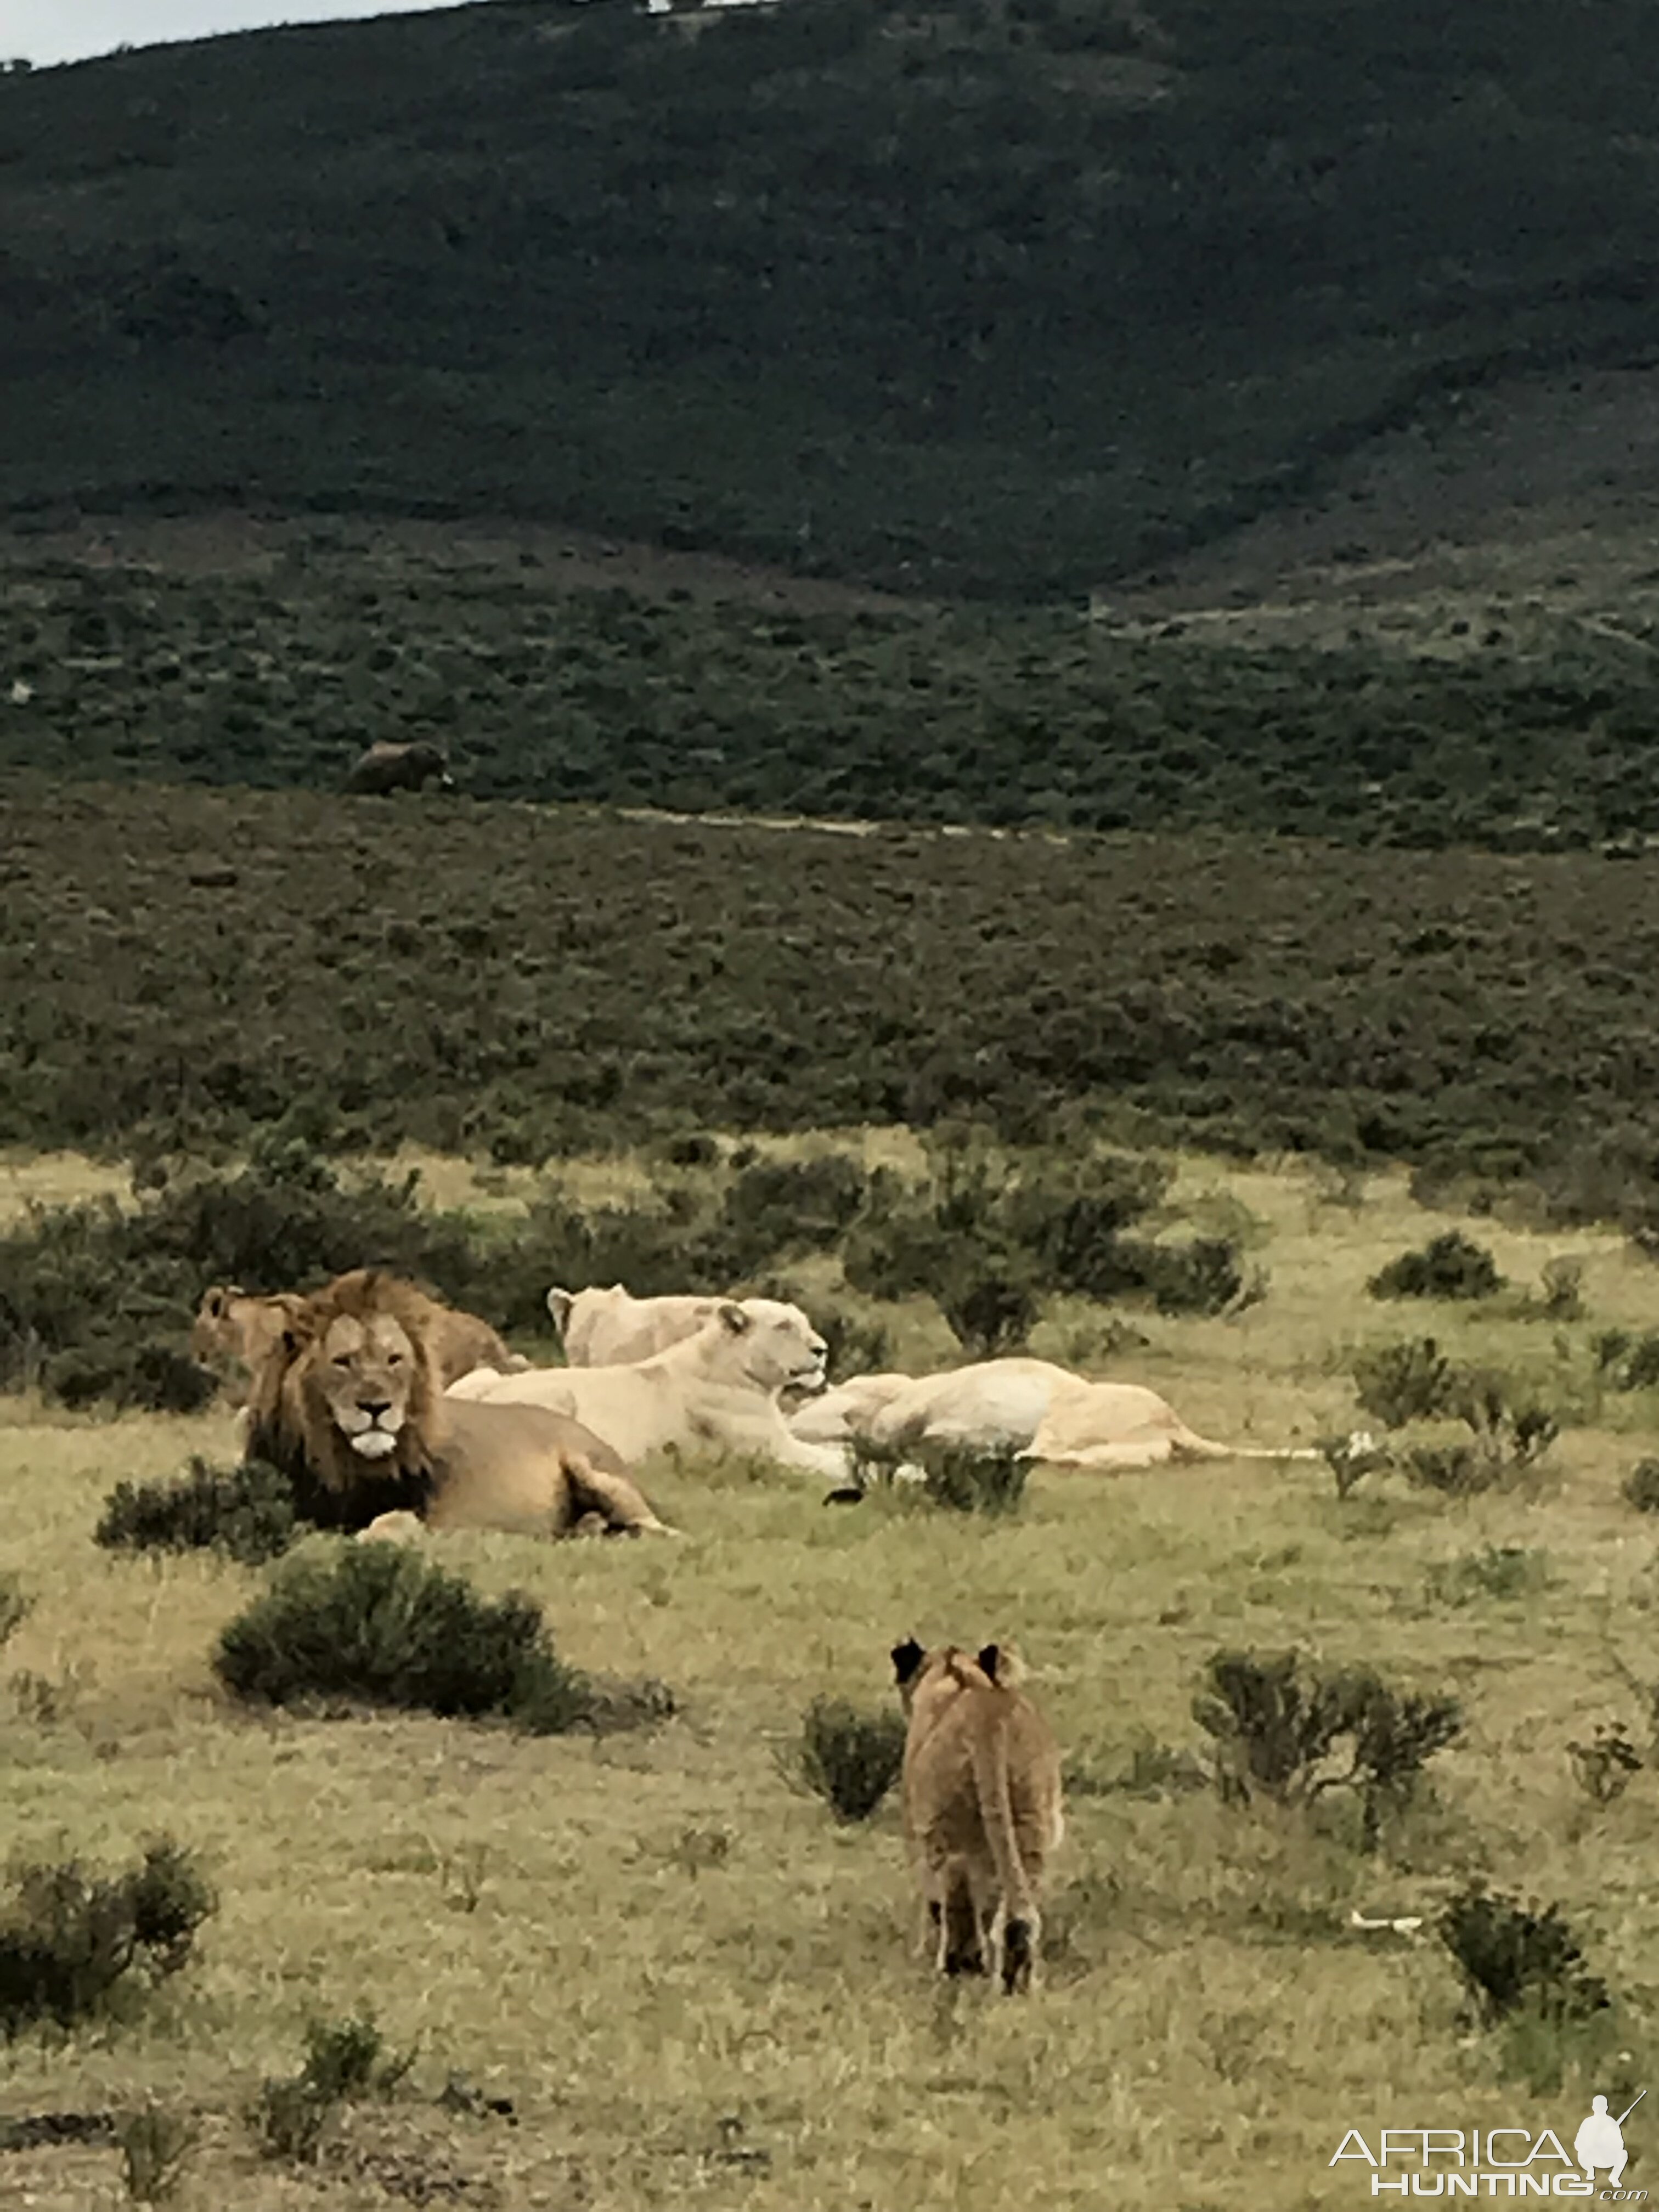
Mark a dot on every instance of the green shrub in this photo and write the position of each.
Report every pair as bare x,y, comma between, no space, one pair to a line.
1605,1766
155,2144
248,1512
378,1624
849,1758
1563,1283
1275,1726
69,1939
1510,1957
971,1480
1397,1383
1642,1485
778,1208
1627,1363
990,1311
1452,1266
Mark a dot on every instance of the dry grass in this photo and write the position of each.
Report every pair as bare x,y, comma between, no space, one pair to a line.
694,1984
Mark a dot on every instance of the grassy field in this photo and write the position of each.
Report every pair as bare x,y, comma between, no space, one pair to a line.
693,1984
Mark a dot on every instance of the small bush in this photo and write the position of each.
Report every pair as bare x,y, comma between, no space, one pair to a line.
1642,1485
849,1758
1449,1267
246,1512
777,1208
991,1310
1510,1958
346,2060
1274,1727
1605,1766
1397,1383
149,1377
69,1939
377,1624
969,1480
1625,1362
1204,1277
155,2144
1562,1296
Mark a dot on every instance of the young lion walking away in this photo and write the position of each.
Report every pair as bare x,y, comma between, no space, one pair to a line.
981,1806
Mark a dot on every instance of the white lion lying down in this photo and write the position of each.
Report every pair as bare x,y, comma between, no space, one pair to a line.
714,1392
1043,1411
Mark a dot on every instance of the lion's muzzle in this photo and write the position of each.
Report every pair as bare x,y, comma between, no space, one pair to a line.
371,1430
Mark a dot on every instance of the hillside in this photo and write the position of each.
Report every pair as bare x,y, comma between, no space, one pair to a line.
1010,300
185,967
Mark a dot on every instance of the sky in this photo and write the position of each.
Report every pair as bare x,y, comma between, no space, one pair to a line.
43,31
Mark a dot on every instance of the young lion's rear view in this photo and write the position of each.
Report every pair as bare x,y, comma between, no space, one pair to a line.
981,1806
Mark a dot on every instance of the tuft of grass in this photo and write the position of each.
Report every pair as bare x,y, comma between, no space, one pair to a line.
1500,1571
1641,1486
155,2144
379,1625
247,1513
15,1605
70,1939
849,1758
1604,1767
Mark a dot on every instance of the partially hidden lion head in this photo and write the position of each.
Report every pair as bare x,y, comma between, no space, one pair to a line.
928,1679
773,1344
347,1390
232,1324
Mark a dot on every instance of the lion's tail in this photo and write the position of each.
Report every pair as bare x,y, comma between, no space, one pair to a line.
996,1811
1190,1445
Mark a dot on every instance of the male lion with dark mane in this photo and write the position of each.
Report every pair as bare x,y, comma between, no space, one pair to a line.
348,1404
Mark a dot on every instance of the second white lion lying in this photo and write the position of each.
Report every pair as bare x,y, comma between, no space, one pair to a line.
714,1392
1042,1411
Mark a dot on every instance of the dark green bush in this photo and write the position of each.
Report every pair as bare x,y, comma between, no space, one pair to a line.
1398,1384
69,1939
1627,1363
778,1208
1451,1265
849,1758
991,1311
248,1512
1605,1766
968,1481
377,1624
1204,1277
345,2060
1511,1957
1275,1724
1642,1485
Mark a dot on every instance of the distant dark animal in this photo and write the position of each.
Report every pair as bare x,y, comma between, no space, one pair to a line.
388,766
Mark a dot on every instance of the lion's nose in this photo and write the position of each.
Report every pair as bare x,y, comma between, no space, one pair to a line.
374,1412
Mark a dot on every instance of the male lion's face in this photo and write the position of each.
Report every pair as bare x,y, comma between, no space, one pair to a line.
364,1370
781,1350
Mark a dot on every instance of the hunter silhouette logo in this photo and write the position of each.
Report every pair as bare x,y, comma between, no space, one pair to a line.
1600,2141
1500,2161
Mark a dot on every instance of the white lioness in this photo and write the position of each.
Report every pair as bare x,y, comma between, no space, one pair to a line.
845,1411
612,1328
1043,1411
714,1392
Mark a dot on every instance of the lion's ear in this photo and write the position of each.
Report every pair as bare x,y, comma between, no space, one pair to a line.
734,1317
907,1660
559,1303
990,1658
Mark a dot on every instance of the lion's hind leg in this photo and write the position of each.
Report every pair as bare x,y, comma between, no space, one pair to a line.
961,1946
618,1501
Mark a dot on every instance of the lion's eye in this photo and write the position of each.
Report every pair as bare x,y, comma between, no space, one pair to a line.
342,1359
394,1359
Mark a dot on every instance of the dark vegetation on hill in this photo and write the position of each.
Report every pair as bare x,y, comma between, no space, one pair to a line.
929,716
1001,298
179,968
